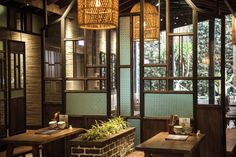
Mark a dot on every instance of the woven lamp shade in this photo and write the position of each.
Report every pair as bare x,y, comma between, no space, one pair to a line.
233,30
151,22
98,14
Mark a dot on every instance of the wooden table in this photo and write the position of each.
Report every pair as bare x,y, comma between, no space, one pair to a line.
231,142
35,139
158,145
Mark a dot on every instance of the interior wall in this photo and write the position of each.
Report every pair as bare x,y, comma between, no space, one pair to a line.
33,73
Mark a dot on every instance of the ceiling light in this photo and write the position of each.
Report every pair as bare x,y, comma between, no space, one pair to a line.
151,22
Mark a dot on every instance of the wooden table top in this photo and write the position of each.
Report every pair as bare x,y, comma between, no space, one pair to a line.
34,138
230,140
158,144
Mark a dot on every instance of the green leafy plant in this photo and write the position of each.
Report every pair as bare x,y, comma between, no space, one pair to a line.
101,130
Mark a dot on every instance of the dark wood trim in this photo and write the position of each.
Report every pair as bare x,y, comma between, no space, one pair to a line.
52,79
168,49
43,75
155,65
86,79
108,71
124,66
169,92
87,91
195,63
181,34
222,70
132,81
212,60
63,69
85,58
141,35
118,68
129,14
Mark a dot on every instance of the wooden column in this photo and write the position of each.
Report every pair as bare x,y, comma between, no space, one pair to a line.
212,60
108,61
222,70
141,26
63,54
195,62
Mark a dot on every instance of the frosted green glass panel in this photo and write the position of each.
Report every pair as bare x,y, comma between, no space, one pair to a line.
3,16
1,45
125,41
86,104
125,92
162,105
17,93
135,123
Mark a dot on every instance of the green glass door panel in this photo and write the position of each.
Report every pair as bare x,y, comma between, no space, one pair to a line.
125,93
86,104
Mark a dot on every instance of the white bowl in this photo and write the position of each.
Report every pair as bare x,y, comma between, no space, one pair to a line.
52,124
187,130
178,129
61,124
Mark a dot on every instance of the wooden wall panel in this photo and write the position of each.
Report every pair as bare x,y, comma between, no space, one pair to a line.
33,73
17,116
152,126
209,119
85,121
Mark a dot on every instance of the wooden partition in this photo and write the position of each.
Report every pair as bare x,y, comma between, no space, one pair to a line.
209,119
152,126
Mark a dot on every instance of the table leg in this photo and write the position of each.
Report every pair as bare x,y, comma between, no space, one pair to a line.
10,149
36,151
147,154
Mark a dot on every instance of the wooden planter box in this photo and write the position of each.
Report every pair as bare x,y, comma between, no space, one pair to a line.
117,145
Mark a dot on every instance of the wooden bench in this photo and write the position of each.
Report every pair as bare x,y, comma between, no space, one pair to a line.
19,151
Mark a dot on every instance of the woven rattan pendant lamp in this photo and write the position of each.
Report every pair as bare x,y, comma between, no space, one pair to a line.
151,22
98,14
233,30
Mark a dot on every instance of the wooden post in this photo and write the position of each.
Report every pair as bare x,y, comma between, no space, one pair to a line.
141,26
211,59
195,62
222,70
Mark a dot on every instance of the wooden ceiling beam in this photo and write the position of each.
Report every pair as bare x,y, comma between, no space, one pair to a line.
50,8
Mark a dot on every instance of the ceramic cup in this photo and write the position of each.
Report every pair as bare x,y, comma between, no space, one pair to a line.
61,124
52,124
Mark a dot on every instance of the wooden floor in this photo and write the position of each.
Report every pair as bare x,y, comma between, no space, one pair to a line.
136,154
133,154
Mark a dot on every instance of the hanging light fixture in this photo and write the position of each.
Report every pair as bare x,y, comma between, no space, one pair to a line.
98,14
151,22
233,30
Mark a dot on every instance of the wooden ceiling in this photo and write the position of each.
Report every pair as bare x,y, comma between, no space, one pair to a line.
180,12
